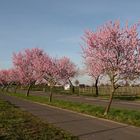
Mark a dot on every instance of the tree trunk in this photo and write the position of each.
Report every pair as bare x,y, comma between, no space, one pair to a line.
110,100
51,94
9,85
72,87
3,88
28,91
15,89
7,88
96,86
45,88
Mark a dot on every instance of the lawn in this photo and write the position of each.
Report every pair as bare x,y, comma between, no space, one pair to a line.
16,124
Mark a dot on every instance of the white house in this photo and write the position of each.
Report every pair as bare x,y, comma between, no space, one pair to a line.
67,87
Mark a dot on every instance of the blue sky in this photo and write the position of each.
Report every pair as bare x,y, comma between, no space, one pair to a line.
56,25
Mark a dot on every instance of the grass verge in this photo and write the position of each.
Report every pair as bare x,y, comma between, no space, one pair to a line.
16,124
131,117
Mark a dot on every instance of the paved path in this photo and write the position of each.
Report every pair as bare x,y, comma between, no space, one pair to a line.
87,128
92,100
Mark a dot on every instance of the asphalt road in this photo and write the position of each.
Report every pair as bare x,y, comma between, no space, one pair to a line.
87,128
133,105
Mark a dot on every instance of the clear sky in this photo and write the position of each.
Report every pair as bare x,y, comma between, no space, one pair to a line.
56,25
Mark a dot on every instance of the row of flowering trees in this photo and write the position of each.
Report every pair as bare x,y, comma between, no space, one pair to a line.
33,66
111,50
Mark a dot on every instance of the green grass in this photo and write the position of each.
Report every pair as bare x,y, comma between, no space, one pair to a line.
131,117
127,93
128,98
16,124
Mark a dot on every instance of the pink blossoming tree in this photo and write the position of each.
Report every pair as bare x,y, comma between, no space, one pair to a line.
4,78
67,70
27,66
14,78
114,51
95,69
46,68
59,71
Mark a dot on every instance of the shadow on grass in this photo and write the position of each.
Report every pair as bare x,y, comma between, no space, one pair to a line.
127,97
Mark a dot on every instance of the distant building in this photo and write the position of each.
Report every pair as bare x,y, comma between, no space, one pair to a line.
81,85
67,87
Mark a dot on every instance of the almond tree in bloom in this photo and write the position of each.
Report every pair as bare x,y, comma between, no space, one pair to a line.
14,78
4,78
95,69
25,65
46,68
58,71
114,51
67,70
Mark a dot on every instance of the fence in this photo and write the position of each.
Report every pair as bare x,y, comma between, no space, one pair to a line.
105,90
